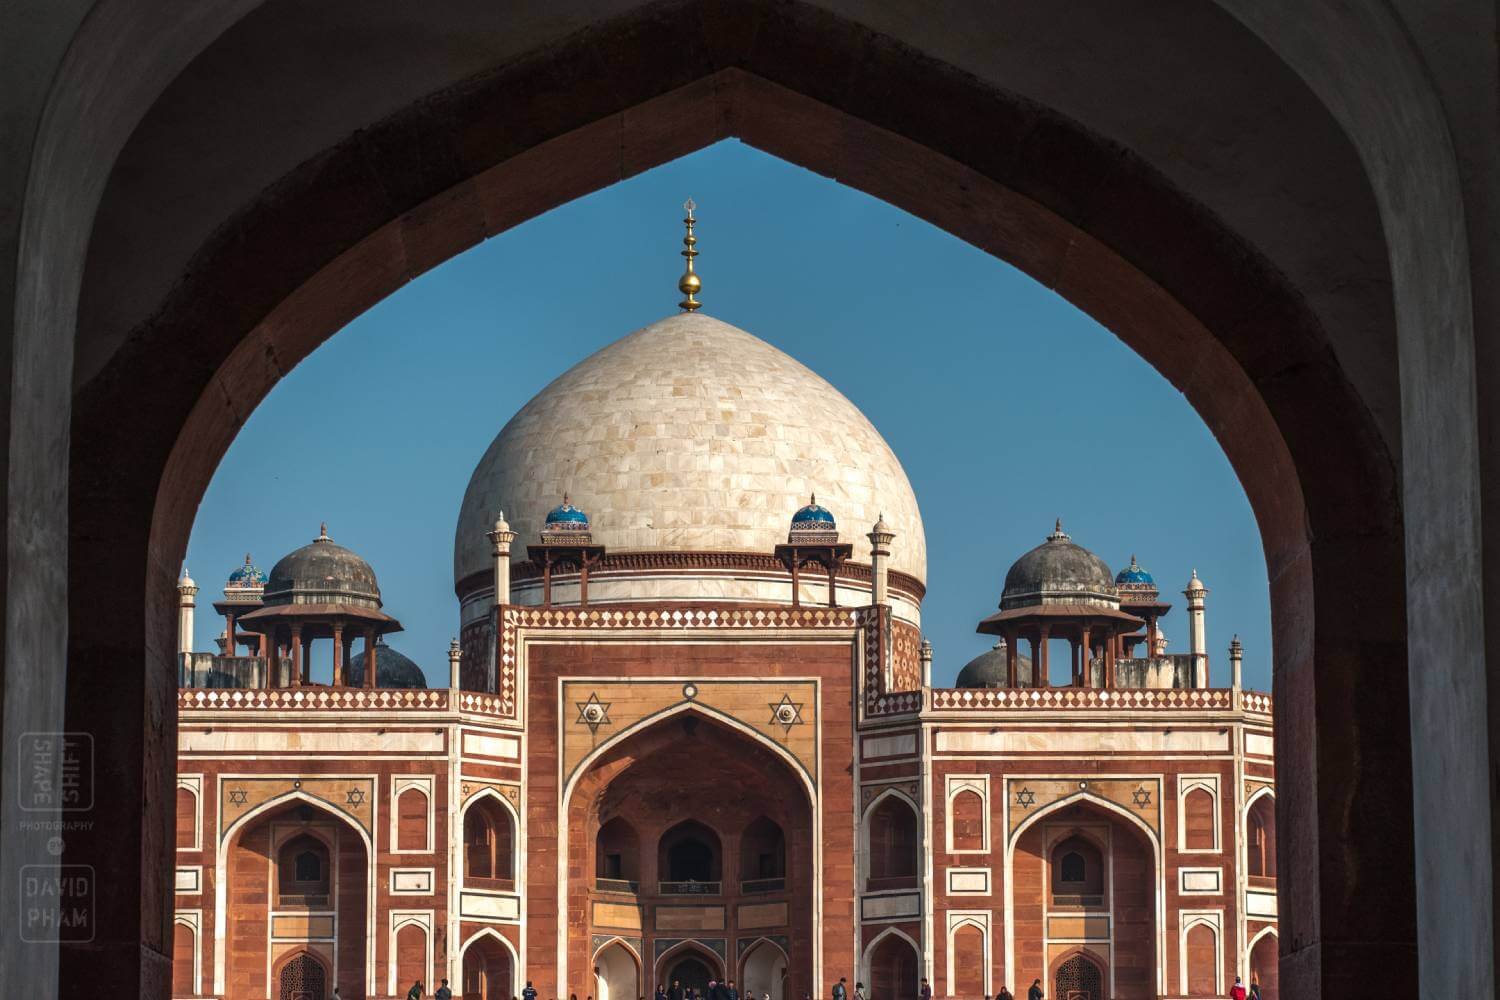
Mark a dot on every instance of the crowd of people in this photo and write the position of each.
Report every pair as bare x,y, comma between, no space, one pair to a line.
727,990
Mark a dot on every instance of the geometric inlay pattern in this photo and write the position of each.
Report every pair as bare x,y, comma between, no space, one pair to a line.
592,713
786,713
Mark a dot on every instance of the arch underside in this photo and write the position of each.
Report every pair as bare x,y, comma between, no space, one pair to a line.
1185,285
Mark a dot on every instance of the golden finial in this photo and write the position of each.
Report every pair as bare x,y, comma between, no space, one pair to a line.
688,284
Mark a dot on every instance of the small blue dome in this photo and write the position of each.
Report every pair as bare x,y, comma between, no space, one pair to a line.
813,514
248,575
1133,574
566,513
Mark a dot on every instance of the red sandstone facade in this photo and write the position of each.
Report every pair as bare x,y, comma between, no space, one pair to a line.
851,829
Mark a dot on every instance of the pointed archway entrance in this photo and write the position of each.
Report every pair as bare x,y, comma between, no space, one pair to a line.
701,858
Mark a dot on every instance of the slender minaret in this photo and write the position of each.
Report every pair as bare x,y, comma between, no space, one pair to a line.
880,538
455,654
926,663
1236,657
1197,639
187,590
500,537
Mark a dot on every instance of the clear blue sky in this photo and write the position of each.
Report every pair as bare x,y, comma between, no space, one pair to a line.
1006,405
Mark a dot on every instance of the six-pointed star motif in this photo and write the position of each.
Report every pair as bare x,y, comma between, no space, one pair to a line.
356,796
1025,798
786,713
593,713
237,796
1142,797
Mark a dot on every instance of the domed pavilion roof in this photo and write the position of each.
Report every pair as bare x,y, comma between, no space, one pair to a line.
1058,570
393,669
322,572
988,669
1134,576
689,435
248,575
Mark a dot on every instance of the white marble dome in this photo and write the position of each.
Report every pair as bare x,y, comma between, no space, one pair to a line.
689,435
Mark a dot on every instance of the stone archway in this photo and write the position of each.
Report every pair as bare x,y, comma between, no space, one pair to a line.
687,835
301,976
1086,829
619,973
287,838
1341,719
690,963
894,966
1079,977
488,969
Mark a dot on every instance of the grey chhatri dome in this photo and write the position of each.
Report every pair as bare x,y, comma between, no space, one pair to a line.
322,572
988,670
392,669
1058,570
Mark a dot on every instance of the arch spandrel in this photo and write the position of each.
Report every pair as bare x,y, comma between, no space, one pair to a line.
1025,797
783,711
351,797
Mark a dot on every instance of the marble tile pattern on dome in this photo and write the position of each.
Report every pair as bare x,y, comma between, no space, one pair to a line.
687,730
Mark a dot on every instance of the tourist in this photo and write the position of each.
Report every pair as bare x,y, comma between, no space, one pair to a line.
713,991
859,991
415,993
661,992
443,992
1035,993
925,993
840,991
529,993
730,993
675,993
1004,994
1237,991
1254,987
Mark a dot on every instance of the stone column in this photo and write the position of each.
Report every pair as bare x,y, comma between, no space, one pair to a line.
1039,666
880,537
338,655
455,654
500,538
296,656
926,664
187,592
370,658
1197,641
1086,669
1236,658
1010,657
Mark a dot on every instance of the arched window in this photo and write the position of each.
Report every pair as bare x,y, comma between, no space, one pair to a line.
411,820
1202,961
303,872
1198,821
187,818
309,867
689,858
184,980
411,956
763,856
617,852
1260,838
489,839
1077,866
892,832
966,813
